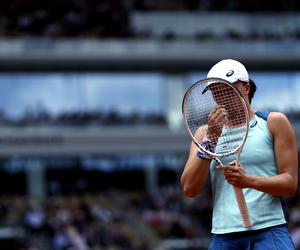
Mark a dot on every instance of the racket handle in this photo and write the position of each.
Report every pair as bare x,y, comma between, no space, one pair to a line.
239,195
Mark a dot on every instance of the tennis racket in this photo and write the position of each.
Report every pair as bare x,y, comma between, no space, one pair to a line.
224,137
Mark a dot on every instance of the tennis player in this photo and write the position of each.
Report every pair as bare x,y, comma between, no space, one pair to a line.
267,171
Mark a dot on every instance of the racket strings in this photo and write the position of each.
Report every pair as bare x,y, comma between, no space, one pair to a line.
197,118
234,126
200,104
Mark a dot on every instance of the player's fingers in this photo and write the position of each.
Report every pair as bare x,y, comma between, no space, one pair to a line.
220,119
218,114
231,180
230,175
216,122
232,163
220,167
230,169
235,164
218,109
227,169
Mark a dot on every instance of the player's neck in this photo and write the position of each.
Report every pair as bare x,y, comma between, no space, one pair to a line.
251,112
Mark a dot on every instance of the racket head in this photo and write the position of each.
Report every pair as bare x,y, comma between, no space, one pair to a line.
198,103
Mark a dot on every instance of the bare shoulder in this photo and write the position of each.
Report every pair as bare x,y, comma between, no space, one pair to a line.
278,121
277,117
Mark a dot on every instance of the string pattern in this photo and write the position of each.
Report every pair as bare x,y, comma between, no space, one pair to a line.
229,131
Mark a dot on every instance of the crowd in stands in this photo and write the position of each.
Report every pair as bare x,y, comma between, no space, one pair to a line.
107,18
117,220
111,220
96,118
84,118
63,18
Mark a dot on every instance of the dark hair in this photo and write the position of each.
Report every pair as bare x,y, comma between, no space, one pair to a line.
252,89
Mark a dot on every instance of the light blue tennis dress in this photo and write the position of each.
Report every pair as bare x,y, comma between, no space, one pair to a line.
258,159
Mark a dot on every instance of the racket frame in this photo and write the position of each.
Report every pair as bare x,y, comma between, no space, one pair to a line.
238,192
217,81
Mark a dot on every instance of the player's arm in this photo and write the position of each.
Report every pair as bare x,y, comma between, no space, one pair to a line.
285,146
196,170
195,173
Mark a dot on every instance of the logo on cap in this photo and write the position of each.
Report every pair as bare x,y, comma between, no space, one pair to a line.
229,73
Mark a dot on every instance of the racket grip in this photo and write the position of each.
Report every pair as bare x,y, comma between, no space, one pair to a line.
242,206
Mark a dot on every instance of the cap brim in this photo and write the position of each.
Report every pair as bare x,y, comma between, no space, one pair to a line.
206,89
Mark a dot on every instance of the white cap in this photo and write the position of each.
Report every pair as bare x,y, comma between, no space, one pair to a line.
230,70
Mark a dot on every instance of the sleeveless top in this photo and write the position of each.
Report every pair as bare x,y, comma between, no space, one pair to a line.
258,158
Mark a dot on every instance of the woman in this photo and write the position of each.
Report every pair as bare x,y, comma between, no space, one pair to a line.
267,171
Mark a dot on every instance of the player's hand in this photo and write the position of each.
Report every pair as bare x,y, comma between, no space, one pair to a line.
216,120
234,175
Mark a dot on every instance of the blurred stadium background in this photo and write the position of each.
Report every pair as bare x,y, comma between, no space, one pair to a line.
92,141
